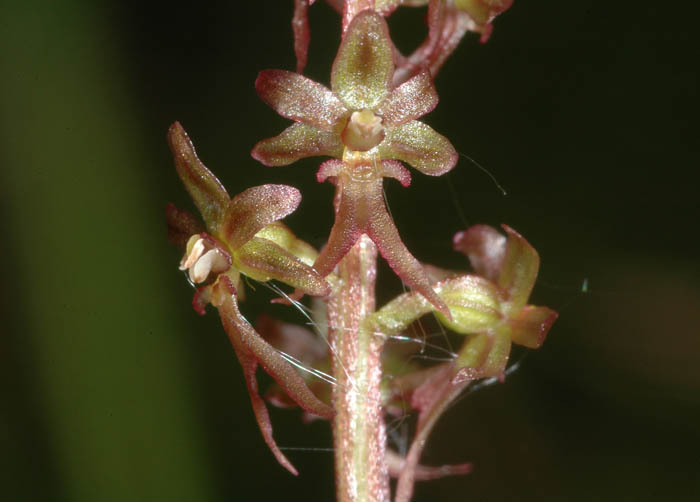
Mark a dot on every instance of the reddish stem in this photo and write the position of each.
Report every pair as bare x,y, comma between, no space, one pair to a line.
358,428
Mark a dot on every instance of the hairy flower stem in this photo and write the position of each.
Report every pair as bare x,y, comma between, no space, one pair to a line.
358,428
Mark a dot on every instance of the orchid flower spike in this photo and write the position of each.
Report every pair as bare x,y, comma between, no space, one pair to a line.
243,236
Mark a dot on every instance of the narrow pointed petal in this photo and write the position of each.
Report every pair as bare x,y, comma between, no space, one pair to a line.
420,146
250,365
397,464
519,271
251,210
242,334
207,192
362,70
485,247
296,142
385,235
531,325
263,260
409,101
181,225
394,169
300,99
302,35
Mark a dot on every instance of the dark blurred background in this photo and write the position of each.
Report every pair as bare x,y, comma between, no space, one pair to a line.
112,388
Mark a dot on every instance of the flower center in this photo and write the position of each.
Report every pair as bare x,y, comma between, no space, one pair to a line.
202,258
363,132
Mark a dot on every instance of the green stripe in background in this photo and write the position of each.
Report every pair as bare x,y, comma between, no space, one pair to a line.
86,287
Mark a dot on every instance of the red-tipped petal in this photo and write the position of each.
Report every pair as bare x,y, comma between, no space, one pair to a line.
296,142
420,146
328,169
300,99
383,232
485,247
207,192
409,101
242,333
362,70
251,210
263,260
530,326
394,169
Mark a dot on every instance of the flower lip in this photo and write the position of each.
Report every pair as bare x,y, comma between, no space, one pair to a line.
363,131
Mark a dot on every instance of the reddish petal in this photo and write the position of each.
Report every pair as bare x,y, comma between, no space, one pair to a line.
344,234
409,101
394,169
251,210
206,190
181,225
263,260
420,146
302,35
531,325
383,232
242,334
297,142
447,26
300,99
250,365
485,247
363,68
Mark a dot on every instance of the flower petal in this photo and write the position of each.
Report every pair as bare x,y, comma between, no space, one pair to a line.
519,271
473,302
297,142
485,247
363,68
281,235
409,101
207,192
300,99
251,210
394,169
181,225
420,146
531,325
263,260
382,230
278,368
300,26
397,464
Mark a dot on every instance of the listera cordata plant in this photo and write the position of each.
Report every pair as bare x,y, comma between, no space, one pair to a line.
367,125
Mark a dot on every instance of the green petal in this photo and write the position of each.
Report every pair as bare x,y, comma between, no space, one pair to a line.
420,146
251,210
473,302
363,68
519,271
263,260
297,142
281,235
207,192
